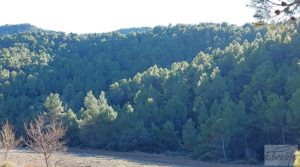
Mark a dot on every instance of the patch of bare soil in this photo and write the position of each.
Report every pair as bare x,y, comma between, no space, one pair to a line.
96,158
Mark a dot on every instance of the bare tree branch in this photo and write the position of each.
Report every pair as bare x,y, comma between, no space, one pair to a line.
45,138
8,139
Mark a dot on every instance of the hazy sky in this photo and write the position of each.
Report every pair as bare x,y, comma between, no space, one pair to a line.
84,16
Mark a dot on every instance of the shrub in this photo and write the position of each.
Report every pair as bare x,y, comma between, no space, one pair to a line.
7,164
297,159
8,139
45,138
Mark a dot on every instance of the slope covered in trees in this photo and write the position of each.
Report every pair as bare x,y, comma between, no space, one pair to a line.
34,64
224,105
18,28
127,31
240,92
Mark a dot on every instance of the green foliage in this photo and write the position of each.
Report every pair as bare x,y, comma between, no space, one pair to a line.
18,28
169,139
54,106
238,99
189,135
223,104
270,10
96,119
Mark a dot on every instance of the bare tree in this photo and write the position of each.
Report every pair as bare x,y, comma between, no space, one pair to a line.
45,138
8,139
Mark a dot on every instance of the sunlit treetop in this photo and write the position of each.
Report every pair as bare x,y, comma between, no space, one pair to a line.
276,10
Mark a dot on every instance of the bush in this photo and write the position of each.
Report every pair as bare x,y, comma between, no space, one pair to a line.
7,164
297,159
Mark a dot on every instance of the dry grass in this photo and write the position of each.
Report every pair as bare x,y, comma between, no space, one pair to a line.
30,164
95,158
7,164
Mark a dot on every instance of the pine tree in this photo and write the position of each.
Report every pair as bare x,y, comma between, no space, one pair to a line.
293,115
276,114
96,120
169,136
54,106
189,135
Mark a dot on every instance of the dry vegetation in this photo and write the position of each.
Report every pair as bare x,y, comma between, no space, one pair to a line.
8,139
92,158
45,138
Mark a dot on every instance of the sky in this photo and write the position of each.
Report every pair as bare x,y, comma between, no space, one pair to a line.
89,16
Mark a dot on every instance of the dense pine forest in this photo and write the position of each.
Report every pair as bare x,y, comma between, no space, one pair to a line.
210,91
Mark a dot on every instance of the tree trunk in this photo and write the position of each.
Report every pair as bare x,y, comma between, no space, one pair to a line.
282,134
223,146
246,147
234,145
268,133
282,129
91,142
46,160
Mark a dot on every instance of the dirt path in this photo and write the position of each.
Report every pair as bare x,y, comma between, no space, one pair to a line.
92,158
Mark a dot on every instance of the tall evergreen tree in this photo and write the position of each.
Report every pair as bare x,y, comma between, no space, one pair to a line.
189,135
54,107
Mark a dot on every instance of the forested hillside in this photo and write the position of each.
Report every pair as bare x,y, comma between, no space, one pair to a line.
34,64
216,92
18,28
127,31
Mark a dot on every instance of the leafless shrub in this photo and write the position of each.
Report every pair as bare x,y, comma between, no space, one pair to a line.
45,138
8,139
